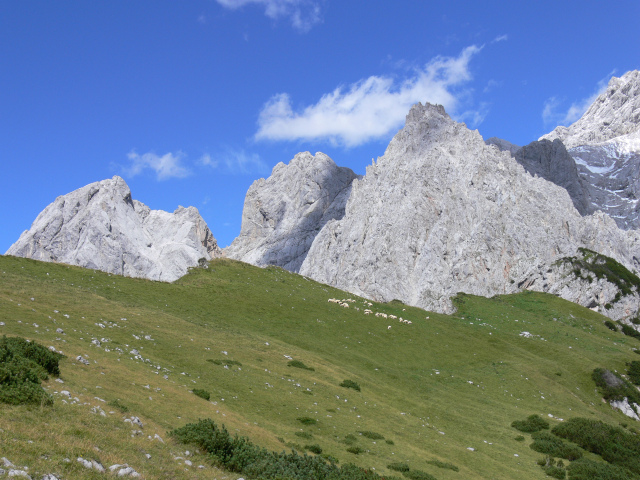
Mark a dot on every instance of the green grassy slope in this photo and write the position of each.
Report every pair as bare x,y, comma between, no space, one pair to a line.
434,389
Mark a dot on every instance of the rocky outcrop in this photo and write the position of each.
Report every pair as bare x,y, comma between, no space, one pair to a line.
551,161
100,226
605,145
614,113
442,212
283,214
503,145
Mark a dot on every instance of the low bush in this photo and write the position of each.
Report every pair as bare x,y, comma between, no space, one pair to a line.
307,420
630,331
612,387
519,438
613,444
418,475
398,467
299,364
306,435
371,435
240,455
119,405
439,464
350,384
610,325
544,442
389,442
584,469
201,393
634,372
224,362
349,439
356,450
533,423
23,365
315,448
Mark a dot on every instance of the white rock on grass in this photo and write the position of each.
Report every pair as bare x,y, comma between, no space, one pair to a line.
6,462
18,473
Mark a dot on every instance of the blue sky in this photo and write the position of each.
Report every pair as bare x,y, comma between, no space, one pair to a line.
192,101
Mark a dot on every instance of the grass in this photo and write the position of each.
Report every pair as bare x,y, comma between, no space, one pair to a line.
437,386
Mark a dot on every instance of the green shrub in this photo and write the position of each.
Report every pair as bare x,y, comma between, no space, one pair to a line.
356,450
119,405
201,393
306,435
610,325
630,331
350,384
315,448
349,439
23,365
299,364
371,435
584,469
519,438
555,472
307,420
389,442
533,423
224,362
398,467
439,464
613,444
418,475
612,387
238,455
544,442
634,372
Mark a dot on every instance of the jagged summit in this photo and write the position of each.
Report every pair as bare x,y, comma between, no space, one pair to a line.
283,214
100,226
614,113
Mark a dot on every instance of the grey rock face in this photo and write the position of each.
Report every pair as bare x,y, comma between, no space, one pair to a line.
551,161
283,214
503,145
442,212
613,114
100,226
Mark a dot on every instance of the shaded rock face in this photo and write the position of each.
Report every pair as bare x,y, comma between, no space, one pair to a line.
605,145
283,214
503,145
442,212
551,161
100,226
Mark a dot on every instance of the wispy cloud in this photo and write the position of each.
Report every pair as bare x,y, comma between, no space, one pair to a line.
169,165
554,114
500,38
303,14
235,161
370,108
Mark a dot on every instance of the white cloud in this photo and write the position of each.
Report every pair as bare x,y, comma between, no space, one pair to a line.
166,166
500,38
241,162
370,108
207,161
552,115
303,14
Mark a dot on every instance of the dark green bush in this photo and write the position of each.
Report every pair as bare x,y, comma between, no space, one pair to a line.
533,423
356,450
398,467
519,438
224,362
613,444
23,365
299,364
349,439
634,372
418,475
584,469
306,435
630,331
201,393
307,420
389,442
371,435
315,448
544,442
239,455
439,464
612,387
119,405
610,325
555,472
350,384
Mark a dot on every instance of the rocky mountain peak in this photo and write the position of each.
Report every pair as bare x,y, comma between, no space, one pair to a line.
614,113
100,226
283,213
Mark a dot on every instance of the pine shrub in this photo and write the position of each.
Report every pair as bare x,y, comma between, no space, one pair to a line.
533,423
350,384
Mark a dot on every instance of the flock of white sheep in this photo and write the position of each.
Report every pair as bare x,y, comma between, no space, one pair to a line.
345,303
